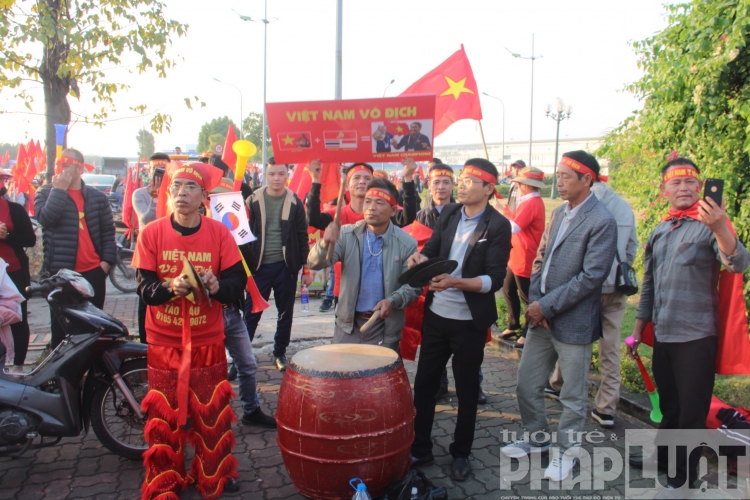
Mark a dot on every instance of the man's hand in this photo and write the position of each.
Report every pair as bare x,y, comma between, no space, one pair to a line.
331,235
314,169
153,187
105,267
307,279
415,259
3,231
62,180
633,349
713,215
211,282
410,166
384,306
534,315
442,282
180,286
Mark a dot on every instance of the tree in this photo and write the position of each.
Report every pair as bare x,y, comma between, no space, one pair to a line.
215,139
215,126
13,148
145,143
696,102
67,46
253,124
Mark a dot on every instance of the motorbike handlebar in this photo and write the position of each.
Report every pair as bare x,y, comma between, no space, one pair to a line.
43,289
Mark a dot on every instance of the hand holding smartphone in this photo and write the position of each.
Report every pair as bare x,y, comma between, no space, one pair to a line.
714,189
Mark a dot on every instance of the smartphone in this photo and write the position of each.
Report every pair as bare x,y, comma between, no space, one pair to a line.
714,189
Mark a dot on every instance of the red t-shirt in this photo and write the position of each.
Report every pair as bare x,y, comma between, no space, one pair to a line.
161,249
530,217
86,257
348,216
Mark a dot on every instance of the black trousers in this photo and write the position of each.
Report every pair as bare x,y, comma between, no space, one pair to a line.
98,279
20,331
513,286
142,320
684,374
441,338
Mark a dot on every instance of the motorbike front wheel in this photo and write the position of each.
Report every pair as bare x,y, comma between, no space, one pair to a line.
122,274
115,424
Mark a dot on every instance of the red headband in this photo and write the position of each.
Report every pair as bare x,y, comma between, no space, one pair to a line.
356,169
481,174
379,193
581,168
206,176
67,160
440,172
682,171
158,163
529,175
380,173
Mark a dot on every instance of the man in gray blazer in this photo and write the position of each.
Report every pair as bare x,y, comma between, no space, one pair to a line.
574,259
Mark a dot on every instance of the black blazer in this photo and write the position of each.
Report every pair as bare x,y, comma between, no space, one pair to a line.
488,252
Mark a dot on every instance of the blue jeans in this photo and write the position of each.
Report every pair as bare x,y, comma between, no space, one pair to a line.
238,344
118,196
331,284
274,276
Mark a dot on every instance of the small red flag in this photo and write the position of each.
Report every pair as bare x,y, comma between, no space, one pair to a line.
330,180
456,90
228,155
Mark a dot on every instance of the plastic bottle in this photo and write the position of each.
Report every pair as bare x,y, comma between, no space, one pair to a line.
361,490
305,297
414,493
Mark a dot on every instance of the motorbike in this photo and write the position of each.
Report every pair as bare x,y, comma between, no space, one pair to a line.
122,274
94,377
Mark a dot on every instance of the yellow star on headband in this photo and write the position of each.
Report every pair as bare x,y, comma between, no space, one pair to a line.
288,141
455,88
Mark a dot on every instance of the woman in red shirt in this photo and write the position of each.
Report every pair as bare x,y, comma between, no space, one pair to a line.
528,225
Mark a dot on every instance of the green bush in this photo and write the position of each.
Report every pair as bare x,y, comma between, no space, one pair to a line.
631,375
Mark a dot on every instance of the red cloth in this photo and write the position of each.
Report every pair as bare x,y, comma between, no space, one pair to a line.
160,249
228,155
530,218
348,216
456,90
7,253
733,353
419,232
330,181
411,335
86,256
132,182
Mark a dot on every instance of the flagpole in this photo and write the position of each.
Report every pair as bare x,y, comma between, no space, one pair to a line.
339,49
339,206
481,131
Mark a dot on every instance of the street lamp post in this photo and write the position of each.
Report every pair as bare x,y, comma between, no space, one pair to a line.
388,86
531,108
238,90
563,112
503,105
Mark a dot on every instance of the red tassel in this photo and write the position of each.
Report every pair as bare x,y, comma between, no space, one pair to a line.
259,303
223,422
222,448
220,398
157,405
213,486
160,486
158,431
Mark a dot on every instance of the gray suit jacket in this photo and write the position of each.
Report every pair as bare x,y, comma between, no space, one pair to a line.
580,264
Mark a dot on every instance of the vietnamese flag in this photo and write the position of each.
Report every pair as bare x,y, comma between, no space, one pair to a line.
456,90
228,155
330,180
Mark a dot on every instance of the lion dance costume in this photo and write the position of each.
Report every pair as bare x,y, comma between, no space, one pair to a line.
187,366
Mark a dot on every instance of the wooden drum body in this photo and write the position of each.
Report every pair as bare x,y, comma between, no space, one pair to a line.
345,411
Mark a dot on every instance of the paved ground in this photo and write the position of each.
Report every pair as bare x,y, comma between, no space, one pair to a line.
83,468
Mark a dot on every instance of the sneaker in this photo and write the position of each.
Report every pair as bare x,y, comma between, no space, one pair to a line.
259,418
326,306
606,421
522,448
559,468
551,393
231,486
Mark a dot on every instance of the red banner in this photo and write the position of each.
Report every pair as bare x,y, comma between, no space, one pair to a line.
358,130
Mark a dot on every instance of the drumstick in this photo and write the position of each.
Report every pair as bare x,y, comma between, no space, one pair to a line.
337,217
370,321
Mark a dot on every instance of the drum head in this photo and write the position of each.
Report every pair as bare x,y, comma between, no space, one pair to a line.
423,277
407,276
345,361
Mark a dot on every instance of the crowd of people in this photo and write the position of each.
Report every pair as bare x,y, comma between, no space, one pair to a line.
563,271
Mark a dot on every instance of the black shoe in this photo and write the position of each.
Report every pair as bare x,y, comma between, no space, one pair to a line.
326,305
441,393
482,398
281,363
231,486
606,421
461,469
509,333
518,345
422,462
259,418
232,375
551,393
637,461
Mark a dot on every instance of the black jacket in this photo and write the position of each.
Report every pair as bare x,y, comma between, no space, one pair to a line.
429,215
20,238
294,241
488,252
320,220
58,215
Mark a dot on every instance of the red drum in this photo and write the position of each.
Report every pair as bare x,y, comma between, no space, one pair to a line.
345,411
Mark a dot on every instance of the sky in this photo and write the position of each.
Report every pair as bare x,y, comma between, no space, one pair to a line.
583,51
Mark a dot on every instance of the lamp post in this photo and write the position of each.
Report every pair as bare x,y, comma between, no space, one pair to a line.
531,108
387,86
503,104
238,90
563,112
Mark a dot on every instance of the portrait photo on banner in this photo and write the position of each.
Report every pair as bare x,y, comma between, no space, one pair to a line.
400,135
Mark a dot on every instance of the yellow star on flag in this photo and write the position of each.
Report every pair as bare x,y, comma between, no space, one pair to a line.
288,140
399,129
81,215
455,88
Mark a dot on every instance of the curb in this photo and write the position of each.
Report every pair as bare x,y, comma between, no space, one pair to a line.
636,405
